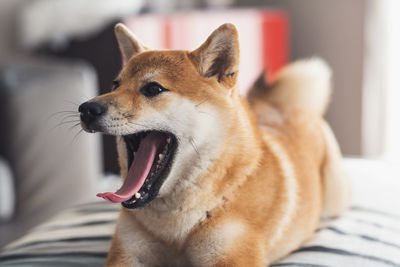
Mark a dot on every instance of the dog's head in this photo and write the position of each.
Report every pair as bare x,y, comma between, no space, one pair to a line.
168,110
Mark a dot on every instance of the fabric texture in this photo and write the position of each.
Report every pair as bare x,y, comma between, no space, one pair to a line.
368,234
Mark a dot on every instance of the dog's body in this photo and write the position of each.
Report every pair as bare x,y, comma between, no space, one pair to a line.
242,190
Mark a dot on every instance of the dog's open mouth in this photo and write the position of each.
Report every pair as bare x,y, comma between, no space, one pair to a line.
150,156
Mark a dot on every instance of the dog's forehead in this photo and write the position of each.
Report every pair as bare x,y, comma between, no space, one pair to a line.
171,63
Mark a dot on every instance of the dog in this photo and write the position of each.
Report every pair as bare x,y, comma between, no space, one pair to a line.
209,178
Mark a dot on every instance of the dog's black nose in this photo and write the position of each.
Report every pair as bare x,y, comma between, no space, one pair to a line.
90,111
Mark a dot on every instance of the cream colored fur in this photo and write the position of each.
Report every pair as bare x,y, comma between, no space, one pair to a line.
305,83
337,188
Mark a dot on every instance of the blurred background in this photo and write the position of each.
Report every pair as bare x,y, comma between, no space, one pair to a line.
56,54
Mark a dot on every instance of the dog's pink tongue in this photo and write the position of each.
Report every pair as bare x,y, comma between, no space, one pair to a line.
139,169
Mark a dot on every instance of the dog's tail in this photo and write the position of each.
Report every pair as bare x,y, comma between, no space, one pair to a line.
305,83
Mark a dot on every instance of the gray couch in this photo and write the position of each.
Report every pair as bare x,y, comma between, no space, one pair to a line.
53,167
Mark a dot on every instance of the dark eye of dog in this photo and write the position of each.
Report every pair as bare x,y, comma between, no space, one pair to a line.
115,85
152,89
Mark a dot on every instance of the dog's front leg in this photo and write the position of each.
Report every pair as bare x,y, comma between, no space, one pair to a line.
230,243
133,246
120,256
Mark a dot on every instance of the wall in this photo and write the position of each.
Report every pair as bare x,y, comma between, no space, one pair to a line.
333,30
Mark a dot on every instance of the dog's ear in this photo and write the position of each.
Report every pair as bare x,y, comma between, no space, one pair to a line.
128,43
218,56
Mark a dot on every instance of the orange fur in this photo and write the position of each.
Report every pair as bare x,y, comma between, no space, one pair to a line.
252,193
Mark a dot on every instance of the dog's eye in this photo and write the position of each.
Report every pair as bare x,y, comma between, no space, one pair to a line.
115,85
152,89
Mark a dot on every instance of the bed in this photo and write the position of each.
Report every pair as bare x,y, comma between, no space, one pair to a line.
368,234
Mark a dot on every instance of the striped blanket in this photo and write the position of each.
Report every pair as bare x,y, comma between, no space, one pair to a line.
366,235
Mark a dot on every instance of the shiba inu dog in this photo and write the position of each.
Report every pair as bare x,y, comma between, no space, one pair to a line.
208,179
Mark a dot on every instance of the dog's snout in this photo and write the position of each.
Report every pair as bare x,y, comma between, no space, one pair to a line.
90,111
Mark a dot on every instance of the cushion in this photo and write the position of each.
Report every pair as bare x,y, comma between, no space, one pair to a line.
368,234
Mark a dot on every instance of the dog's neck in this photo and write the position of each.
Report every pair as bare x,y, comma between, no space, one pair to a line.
213,168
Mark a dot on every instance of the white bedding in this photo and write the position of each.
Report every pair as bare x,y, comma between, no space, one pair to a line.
366,235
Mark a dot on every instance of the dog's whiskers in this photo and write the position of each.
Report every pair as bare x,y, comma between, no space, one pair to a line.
202,102
67,122
76,135
62,113
64,122
193,143
73,103
72,116
129,116
73,126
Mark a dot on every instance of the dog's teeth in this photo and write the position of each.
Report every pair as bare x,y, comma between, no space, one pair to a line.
137,195
161,156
